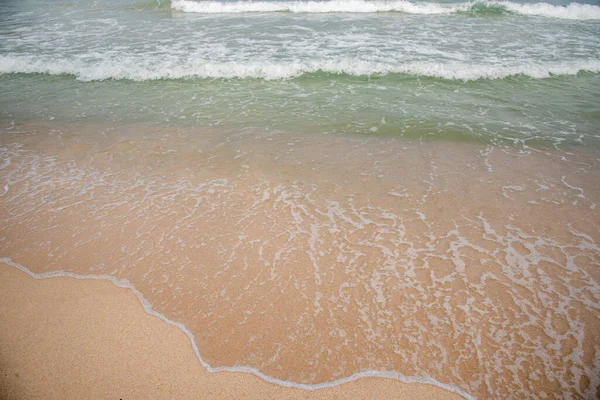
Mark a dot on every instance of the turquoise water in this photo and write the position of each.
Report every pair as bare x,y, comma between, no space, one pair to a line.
484,71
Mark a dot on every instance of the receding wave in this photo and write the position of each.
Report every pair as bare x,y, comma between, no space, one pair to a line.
142,70
571,11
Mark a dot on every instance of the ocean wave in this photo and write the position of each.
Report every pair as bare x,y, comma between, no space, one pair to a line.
136,69
575,11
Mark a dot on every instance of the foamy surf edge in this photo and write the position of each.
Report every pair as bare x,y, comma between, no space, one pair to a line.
574,11
140,69
124,283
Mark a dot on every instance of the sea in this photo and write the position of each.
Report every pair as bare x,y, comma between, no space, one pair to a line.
317,191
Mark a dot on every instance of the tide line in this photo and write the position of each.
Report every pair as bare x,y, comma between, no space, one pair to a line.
124,283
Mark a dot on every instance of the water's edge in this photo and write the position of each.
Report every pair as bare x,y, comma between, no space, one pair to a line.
124,283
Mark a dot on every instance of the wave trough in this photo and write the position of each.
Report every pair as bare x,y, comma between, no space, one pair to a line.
575,11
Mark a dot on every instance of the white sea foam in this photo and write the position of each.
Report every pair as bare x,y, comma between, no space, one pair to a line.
150,310
137,69
344,6
571,11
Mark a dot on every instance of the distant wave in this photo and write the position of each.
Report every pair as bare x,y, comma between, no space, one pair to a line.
572,11
137,69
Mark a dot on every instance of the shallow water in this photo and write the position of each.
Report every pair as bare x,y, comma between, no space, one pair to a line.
486,71
473,265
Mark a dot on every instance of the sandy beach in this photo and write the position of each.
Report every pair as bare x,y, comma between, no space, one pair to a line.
89,339
310,267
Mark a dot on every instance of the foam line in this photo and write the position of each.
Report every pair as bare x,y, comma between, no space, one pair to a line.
148,308
139,69
574,11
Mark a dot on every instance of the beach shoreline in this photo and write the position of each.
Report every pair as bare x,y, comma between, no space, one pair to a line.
345,199
422,258
87,338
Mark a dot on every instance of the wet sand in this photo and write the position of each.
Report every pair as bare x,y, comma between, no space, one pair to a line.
313,257
89,339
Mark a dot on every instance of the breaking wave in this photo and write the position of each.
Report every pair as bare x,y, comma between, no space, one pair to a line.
574,11
137,69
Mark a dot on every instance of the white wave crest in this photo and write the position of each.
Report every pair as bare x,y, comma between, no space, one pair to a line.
571,11
343,6
142,70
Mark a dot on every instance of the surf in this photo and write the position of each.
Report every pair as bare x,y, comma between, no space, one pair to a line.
574,11
135,69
